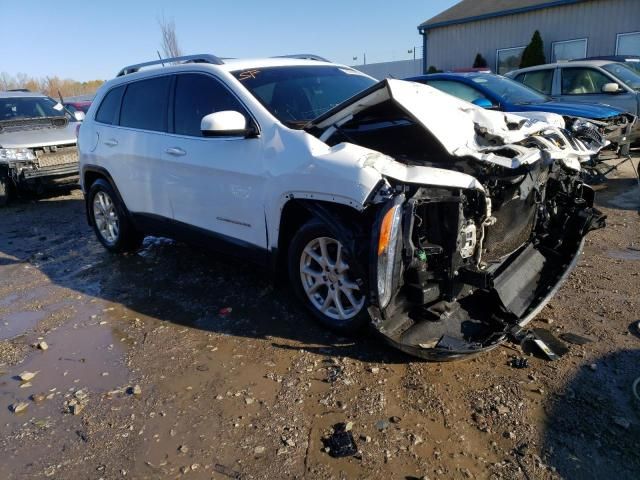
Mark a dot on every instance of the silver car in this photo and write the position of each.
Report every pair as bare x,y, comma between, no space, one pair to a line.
589,81
37,143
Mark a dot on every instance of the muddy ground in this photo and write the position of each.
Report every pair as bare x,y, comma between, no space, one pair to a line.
174,362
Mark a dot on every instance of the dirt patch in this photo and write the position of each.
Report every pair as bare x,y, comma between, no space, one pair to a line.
175,362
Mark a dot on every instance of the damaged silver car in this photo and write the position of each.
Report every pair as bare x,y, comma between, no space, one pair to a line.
37,143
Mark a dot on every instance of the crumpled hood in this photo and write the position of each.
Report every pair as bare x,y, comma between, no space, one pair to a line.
458,125
31,136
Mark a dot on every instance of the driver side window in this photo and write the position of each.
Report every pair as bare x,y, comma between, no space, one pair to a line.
582,81
198,95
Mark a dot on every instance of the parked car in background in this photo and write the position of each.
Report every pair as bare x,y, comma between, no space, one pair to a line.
442,224
591,122
37,143
77,106
590,81
632,61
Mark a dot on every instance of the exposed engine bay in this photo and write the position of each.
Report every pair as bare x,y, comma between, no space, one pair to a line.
453,269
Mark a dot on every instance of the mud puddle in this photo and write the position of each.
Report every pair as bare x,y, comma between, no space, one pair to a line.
17,323
80,355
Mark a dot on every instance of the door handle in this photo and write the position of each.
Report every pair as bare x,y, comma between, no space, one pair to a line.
112,142
175,151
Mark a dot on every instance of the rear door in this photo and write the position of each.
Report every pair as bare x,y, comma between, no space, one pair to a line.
129,148
214,183
584,84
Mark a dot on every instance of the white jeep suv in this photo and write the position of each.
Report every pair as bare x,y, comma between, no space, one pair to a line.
446,226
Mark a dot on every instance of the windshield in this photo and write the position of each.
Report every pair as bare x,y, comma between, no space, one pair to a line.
510,90
625,74
14,108
296,95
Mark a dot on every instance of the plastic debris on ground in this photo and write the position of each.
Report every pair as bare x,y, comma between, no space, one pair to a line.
340,443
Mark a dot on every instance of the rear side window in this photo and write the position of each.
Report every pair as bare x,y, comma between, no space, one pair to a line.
145,104
199,95
539,80
582,81
109,106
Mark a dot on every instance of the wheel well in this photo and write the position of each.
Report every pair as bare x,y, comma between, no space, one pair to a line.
297,212
90,177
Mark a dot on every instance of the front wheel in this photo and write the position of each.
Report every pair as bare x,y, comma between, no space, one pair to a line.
4,190
322,277
109,219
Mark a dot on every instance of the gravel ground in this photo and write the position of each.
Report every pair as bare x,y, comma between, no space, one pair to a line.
173,362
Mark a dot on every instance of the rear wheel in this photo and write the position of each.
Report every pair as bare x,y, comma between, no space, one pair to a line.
322,276
109,219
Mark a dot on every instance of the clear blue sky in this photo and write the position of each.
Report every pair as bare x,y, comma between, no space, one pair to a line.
86,40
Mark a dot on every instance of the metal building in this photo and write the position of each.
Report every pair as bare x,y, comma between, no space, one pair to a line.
501,29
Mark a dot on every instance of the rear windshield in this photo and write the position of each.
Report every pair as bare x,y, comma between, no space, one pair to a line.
624,73
297,94
16,108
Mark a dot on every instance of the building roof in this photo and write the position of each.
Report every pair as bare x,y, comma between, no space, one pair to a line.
473,10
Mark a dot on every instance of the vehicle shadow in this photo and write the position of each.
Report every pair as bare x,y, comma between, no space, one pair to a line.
172,281
593,427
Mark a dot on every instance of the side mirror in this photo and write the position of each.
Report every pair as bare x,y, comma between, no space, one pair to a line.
611,88
483,103
227,123
78,115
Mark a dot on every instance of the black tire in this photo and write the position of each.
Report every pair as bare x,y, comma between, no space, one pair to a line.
127,238
4,190
308,233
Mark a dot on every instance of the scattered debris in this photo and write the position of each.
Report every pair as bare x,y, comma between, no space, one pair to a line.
340,443
42,345
38,397
26,376
520,362
183,449
382,425
226,471
259,450
135,390
395,419
19,407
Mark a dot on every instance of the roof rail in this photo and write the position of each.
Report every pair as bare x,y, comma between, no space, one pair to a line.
201,58
304,56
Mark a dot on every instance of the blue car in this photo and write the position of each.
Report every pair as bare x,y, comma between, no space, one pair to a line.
495,92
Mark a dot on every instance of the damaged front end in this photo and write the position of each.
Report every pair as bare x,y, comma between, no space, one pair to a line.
475,230
453,271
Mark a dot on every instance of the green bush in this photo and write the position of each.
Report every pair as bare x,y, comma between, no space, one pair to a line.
534,53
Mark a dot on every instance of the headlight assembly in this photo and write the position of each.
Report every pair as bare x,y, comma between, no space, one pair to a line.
16,154
387,246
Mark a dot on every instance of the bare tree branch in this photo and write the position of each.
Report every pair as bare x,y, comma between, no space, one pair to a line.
170,46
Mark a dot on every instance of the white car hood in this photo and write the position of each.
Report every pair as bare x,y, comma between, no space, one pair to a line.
454,122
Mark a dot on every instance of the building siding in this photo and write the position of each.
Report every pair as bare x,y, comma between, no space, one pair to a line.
599,21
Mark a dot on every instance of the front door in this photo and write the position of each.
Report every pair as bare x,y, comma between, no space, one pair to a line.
214,183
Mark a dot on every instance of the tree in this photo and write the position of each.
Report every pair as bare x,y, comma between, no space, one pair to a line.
534,53
480,61
170,46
